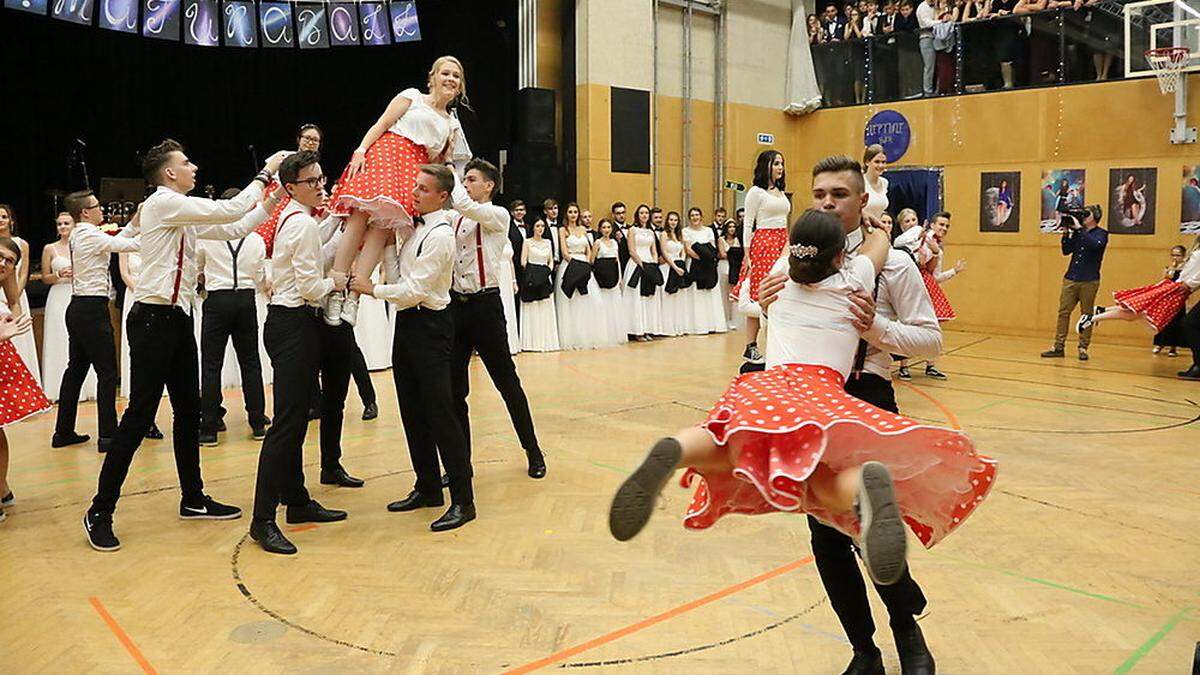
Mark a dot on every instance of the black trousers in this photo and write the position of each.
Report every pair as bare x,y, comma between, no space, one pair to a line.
421,369
835,553
292,337
230,315
1191,328
480,326
162,353
335,343
357,365
90,336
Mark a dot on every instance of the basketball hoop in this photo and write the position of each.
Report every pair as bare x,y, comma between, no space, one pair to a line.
1167,64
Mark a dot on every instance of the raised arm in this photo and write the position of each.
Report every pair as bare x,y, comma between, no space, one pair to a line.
244,225
491,218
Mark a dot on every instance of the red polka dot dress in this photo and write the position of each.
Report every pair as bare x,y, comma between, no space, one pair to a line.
766,221
1157,303
941,304
20,395
792,418
930,264
384,186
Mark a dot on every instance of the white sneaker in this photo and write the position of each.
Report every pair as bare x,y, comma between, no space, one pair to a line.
333,308
350,308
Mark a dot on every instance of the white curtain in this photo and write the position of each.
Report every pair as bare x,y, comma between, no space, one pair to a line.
803,95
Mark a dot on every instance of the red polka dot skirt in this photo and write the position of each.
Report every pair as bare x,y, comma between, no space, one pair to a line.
1157,304
384,186
790,419
765,248
941,305
267,229
20,395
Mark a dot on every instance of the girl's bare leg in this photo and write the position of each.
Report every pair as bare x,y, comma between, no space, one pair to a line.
352,237
368,258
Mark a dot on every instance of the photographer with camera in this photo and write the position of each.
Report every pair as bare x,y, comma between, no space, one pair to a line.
1084,240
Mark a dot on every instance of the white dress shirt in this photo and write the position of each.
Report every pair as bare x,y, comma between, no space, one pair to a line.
170,225
297,265
904,319
424,268
1190,274
481,233
233,265
91,251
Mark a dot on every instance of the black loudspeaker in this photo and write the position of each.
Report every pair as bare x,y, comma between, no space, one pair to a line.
630,130
532,182
533,154
535,116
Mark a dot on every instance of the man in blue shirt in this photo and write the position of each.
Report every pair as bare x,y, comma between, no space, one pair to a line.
1085,243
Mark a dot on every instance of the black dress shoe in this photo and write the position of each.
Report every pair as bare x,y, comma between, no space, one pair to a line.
314,413
221,428
370,412
537,463
865,663
258,433
415,500
209,439
915,658
268,536
313,512
63,440
103,445
445,481
340,478
154,433
1192,373
456,516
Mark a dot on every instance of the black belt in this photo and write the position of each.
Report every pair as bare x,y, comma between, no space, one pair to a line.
302,309
231,290
157,309
90,297
478,295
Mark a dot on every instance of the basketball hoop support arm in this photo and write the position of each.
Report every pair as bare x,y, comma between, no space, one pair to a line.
1181,133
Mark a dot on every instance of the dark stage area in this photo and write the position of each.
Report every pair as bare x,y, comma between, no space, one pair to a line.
121,93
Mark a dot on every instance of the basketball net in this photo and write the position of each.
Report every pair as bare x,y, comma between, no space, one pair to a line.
1167,64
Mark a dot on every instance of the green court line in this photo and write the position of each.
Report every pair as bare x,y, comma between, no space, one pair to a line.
1150,644
1043,582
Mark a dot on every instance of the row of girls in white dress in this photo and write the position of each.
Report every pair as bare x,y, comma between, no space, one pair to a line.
577,292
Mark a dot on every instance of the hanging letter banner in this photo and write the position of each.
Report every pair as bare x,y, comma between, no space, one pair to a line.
374,23
160,19
275,20
201,24
120,15
311,29
404,22
75,11
343,24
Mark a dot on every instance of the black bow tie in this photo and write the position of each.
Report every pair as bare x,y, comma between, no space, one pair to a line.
418,221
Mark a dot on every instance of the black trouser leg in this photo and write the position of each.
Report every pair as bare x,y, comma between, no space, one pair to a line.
216,326
291,339
362,376
460,364
336,341
161,347
245,345
421,366
1191,327
834,553
91,345
491,341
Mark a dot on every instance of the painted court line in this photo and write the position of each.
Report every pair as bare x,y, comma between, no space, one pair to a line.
122,637
657,618
1142,651
951,418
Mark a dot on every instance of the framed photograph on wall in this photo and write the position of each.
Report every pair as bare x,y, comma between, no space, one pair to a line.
1062,191
1131,200
1000,201
1189,222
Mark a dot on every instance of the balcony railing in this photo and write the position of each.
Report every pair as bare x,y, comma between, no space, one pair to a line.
1056,47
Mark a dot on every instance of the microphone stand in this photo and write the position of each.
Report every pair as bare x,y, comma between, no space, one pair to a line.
81,150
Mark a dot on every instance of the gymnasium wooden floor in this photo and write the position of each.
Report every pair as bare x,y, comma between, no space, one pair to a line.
1083,560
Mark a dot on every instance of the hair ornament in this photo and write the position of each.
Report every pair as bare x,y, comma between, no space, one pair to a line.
803,251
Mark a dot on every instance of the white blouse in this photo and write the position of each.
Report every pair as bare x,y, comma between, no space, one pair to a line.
423,125
877,199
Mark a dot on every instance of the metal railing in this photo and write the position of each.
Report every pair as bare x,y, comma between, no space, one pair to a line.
1051,48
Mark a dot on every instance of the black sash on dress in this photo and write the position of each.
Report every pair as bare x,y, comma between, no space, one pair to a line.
607,273
576,277
538,283
703,270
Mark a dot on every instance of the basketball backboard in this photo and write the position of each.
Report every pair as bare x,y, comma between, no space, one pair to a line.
1153,24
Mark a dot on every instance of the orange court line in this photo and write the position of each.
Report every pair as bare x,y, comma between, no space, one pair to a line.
658,618
302,528
950,416
123,637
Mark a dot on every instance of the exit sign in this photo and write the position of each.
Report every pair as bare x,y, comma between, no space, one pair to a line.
766,139
734,185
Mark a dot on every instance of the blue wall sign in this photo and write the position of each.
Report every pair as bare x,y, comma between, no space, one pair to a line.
889,129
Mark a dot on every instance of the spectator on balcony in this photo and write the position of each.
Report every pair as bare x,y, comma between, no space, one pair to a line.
815,37
833,25
885,23
974,10
1009,35
858,51
927,16
1102,35
1043,43
944,39
870,17
908,18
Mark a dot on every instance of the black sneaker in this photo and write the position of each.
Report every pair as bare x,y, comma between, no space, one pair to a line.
8,499
904,373
934,373
370,412
208,509
882,541
208,439
634,502
1085,322
63,440
1083,355
98,528
258,433
1055,353
752,355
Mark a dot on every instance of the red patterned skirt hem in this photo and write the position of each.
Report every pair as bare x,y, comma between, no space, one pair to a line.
383,188
1157,303
20,395
941,304
788,420
765,249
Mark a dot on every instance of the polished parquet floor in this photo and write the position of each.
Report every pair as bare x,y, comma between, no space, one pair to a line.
1083,560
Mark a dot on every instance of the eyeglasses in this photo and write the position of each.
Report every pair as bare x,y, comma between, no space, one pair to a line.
314,139
316,182
93,206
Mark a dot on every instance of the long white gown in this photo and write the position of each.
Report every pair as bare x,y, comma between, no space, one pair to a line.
581,316
707,306
539,324
676,307
613,300
55,343
644,314
507,277
373,330
25,343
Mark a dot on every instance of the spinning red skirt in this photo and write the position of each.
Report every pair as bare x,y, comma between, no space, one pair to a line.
20,395
765,248
794,417
383,188
1158,303
941,305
